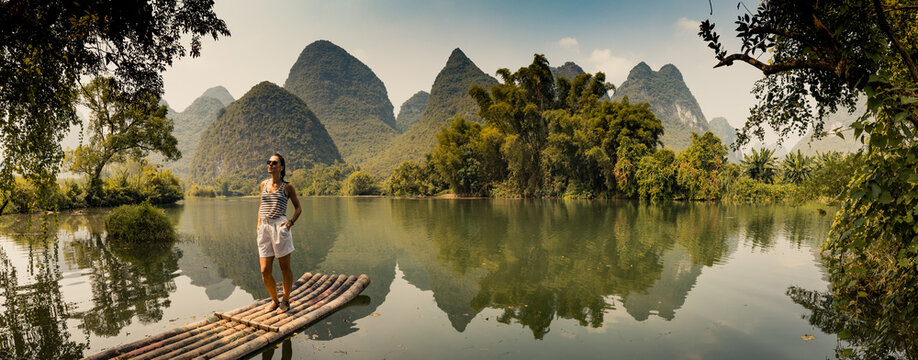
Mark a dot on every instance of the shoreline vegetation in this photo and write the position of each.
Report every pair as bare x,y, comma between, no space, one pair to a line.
552,142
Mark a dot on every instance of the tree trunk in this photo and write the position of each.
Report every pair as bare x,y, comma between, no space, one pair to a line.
94,191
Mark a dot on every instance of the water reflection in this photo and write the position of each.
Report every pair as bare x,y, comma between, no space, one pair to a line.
535,261
34,313
126,281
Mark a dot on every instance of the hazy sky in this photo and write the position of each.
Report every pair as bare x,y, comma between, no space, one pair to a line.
406,43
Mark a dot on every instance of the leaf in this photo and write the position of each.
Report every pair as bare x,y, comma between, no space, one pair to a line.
808,337
374,314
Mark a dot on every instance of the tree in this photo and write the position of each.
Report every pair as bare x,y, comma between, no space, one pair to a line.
760,165
121,126
656,176
699,167
47,47
517,107
796,167
360,183
455,156
823,54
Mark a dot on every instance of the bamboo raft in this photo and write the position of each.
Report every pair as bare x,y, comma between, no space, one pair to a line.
240,332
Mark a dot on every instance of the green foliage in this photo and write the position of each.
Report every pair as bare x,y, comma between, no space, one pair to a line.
830,175
699,167
48,47
322,179
825,55
410,178
628,155
455,157
138,224
347,97
265,120
135,183
520,106
121,126
131,183
761,165
796,168
656,176
360,183
749,190
201,191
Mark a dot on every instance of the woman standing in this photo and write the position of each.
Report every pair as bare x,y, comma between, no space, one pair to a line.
274,239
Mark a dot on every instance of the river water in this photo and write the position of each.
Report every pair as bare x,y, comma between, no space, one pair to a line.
451,279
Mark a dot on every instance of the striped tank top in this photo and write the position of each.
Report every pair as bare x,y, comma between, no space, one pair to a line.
273,204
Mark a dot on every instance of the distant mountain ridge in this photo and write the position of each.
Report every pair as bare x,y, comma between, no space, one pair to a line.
219,93
411,111
191,122
267,119
727,134
449,97
670,100
348,98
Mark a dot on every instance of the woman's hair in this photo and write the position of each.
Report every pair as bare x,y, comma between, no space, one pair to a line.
282,163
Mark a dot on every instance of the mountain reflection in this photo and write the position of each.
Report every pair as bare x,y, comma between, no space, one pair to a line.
535,260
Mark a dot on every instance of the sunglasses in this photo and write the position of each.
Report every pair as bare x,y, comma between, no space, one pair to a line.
272,162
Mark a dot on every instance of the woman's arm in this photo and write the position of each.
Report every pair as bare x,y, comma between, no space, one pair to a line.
291,194
260,190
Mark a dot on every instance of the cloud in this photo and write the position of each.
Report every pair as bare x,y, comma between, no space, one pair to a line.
568,43
616,68
685,24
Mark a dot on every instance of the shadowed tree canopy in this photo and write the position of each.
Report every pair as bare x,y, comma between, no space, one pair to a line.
48,47
822,55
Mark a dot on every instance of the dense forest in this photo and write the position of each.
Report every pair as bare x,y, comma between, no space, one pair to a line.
545,136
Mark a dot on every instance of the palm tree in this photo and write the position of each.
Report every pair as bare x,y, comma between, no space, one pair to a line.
797,167
760,165
827,158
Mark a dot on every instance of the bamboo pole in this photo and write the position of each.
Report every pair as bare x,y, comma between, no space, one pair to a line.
303,283
261,326
271,318
328,283
232,333
362,282
241,331
304,309
241,350
177,343
107,354
171,342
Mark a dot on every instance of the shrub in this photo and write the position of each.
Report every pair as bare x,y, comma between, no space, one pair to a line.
360,183
201,191
656,176
746,189
139,224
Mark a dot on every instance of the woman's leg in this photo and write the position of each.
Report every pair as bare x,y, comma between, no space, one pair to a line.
287,273
267,267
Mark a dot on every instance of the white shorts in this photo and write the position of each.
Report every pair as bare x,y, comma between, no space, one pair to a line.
273,239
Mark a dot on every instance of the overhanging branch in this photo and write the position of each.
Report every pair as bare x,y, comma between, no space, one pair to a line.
769,69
